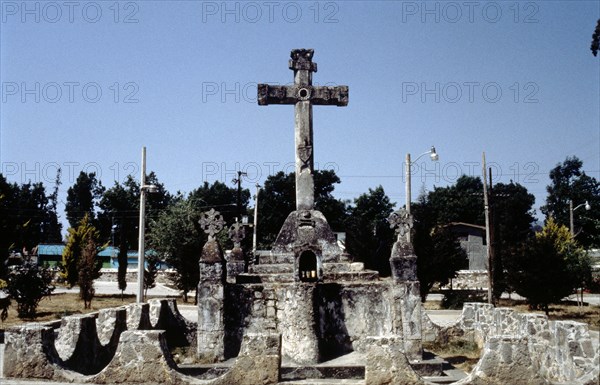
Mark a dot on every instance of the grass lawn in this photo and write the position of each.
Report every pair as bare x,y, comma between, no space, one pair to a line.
64,304
589,314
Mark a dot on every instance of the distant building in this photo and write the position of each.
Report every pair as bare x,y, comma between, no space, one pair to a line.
51,254
472,240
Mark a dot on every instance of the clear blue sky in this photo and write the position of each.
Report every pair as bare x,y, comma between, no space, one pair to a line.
515,79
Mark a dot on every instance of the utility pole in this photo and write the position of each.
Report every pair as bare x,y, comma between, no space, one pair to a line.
144,189
141,252
571,225
492,242
238,180
487,228
408,183
255,220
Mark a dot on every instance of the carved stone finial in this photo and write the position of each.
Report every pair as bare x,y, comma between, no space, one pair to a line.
302,60
211,222
237,232
402,221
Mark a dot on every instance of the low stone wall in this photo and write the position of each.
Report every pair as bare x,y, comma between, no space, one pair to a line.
523,345
469,280
82,345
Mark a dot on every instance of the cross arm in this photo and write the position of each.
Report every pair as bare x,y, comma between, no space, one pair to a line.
324,95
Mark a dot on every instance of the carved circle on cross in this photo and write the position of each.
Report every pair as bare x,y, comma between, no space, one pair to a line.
402,221
211,222
304,93
237,232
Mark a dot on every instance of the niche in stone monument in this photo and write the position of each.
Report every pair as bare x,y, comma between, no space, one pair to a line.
307,266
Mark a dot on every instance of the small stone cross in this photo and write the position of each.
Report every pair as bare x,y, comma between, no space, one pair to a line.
211,222
237,232
403,222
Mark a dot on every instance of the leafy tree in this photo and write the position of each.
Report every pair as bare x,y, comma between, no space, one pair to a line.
26,217
512,216
278,199
370,237
120,204
78,240
82,198
335,210
461,202
9,220
158,200
27,285
222,198
549,266
512,219
569,182
595,46
177,239
438,250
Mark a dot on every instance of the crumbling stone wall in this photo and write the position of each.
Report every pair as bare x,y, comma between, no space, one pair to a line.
84,344
326,320
556,351
249,308
469,280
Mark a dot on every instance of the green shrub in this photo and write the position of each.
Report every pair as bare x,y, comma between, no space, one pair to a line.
455,299
27,285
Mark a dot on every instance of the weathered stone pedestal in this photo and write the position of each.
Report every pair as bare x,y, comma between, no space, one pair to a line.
236,264
211,295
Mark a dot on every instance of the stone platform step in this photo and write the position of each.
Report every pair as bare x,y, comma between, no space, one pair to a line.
343,267
322,372
270,259
439,379
351,276
432,367
323,382
203,372
272,268
264,278
328,268
448,377
366,275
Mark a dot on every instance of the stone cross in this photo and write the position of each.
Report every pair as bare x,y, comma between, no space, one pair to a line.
237,233
303,95
402,221
211,222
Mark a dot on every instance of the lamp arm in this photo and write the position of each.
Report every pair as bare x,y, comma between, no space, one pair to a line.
420,156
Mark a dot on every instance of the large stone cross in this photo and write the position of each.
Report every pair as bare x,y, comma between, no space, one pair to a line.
303,95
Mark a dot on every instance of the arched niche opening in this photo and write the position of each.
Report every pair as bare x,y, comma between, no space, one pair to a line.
307,267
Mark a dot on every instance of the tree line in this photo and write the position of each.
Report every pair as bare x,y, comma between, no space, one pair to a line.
99,216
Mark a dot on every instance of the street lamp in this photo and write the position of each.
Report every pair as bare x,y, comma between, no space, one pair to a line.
433,155
587,206
144,188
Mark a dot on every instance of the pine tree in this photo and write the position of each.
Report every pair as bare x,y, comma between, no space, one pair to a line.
77,241
89,269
